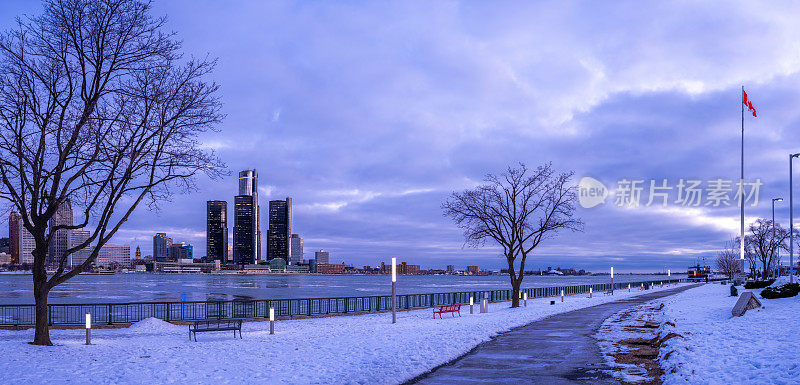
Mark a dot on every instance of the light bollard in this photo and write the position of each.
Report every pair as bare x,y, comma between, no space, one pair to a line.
271,320
471,302
629,288
612,280
88,328
525,298
590,292
394,290
485,303
562,295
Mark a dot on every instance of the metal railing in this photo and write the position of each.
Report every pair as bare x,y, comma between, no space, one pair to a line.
126,313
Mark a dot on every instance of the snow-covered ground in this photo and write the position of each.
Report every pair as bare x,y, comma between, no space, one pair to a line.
362,349
622,337
760,347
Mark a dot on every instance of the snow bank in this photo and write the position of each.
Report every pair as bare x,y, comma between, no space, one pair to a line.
155,325
362,349
757,348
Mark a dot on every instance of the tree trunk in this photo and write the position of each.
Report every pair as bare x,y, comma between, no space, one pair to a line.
42,333
515,284
40,291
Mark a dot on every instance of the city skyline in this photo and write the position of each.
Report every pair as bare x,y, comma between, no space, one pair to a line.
368,163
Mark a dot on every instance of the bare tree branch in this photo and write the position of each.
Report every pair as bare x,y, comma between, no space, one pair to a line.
98,107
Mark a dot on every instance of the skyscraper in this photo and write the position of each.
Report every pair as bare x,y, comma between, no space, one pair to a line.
13,234
244,245
246,214
321,256
217,230
295,249
76,237
161,244
280,229
59,242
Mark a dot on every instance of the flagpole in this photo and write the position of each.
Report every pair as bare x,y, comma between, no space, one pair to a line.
741,190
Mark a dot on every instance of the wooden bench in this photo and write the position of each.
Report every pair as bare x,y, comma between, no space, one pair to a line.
447,309
217,325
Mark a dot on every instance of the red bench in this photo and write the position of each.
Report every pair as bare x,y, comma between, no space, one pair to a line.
447,309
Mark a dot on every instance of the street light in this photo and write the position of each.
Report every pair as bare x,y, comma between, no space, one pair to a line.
791,221
772,243
394,290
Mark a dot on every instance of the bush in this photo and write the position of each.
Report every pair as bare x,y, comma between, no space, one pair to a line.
758,284
784,291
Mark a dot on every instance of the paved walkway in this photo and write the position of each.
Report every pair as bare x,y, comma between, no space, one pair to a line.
553,351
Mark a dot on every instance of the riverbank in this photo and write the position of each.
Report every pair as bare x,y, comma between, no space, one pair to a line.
349,350
758,348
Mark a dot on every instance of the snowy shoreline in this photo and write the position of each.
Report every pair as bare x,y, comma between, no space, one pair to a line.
700,342
716,348
362,349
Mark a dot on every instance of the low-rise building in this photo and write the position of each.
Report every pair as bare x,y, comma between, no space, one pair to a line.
331,268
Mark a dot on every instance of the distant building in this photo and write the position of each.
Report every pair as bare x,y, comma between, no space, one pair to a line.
14,220
161,245
110,255
277,264
178,251
230,252
5,258
178,267
77,237
5,244
451,269
59,241
246,219
295,249
138,255
217,230
244,248
26,244
407,269
280,229
321,257
473,270
331,268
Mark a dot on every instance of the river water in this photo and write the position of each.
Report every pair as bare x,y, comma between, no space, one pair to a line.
18,288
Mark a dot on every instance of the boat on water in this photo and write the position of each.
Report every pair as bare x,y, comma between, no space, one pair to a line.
699,272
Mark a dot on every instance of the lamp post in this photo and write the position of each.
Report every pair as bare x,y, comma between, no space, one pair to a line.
88,328
394,290
791,221
271,321
772,243
612,280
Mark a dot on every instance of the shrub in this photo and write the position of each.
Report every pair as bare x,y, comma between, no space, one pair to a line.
784,291
758,284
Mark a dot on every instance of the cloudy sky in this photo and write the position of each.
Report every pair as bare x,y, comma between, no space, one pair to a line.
368,114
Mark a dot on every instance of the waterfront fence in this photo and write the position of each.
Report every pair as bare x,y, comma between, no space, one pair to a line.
126,313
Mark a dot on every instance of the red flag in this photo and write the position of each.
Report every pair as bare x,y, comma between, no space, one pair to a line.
750,107
744,97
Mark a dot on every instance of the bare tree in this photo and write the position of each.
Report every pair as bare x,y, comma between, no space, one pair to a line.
728,261
97,106
517,210
761,247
